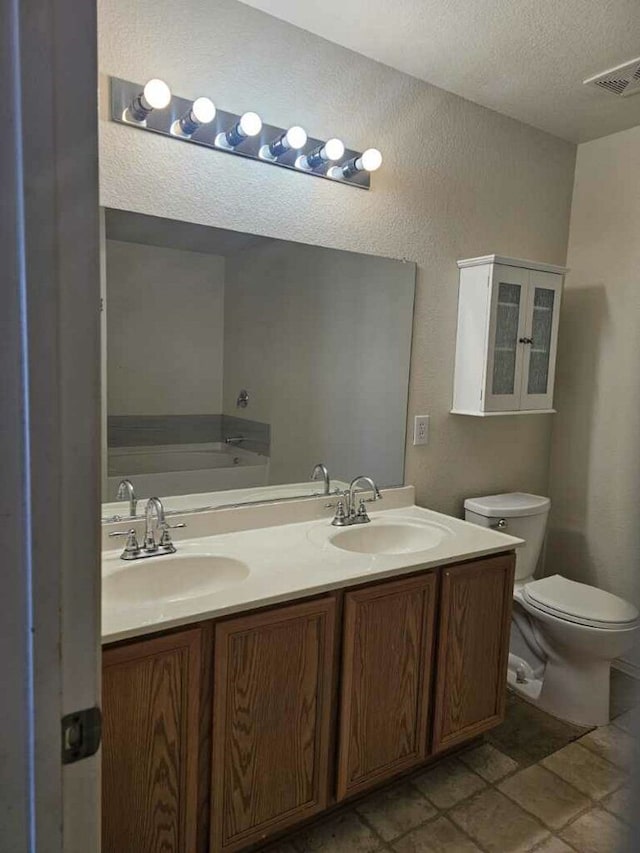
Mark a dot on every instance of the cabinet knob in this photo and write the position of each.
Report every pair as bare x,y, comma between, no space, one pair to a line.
526,340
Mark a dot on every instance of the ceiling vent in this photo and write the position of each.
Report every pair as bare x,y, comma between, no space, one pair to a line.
622,81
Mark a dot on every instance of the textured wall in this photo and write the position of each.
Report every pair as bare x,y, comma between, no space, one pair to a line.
595,463
165,316
458,180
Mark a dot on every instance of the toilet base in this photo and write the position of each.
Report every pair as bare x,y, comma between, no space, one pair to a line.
574,691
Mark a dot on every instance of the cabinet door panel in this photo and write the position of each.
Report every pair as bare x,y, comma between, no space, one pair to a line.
272,698
506,327
154,718
473,649
543,314
387,652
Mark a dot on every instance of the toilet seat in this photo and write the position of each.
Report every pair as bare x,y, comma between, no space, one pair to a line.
580,603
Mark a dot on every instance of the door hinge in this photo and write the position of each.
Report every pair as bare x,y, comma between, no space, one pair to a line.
81,734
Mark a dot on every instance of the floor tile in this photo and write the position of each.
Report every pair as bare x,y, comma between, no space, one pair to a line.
528,734
585,770
498,824
439,836
545,795
488,762
448,783
625,692
396,810
596,831
620,803
612,743
629,722
554,845
344,833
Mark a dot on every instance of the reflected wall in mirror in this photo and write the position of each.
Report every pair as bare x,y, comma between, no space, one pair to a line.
235,363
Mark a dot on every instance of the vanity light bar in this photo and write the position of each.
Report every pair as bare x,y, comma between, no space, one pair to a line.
153,107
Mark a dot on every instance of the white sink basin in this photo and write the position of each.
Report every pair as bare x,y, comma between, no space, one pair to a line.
389,538
174,578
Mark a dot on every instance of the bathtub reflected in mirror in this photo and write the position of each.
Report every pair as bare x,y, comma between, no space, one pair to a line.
235,363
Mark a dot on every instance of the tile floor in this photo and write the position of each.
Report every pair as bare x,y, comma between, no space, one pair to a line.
571,796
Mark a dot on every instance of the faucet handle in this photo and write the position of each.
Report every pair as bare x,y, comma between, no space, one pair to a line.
340,518
362,517
132,546
165,539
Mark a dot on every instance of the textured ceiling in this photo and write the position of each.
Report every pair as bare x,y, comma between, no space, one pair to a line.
524,58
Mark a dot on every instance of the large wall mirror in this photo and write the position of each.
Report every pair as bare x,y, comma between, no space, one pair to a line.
235,363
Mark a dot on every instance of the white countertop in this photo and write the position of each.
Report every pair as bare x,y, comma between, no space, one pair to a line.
276,563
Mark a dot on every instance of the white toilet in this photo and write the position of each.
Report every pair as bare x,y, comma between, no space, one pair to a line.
564,634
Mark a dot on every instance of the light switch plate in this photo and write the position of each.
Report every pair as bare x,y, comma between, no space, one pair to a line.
420,430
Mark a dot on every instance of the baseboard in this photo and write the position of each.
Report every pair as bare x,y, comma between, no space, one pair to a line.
627,667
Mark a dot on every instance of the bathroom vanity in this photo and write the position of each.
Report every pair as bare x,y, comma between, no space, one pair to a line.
327,668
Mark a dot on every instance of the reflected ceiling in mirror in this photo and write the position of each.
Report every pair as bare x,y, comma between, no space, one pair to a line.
235,363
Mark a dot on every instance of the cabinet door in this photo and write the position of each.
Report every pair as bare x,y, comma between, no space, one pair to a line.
155,777
543,314
386,674
507,324
473,649
272,713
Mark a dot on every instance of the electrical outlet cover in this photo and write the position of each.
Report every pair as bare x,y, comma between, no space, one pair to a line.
420,430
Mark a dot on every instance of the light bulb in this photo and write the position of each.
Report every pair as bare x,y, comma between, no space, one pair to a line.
250,124
295,138
371,160
332,150
202,111
157,94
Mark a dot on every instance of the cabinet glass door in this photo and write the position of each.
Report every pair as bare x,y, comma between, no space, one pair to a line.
542,332
508,313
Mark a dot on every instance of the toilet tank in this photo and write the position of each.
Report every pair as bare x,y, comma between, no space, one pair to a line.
525,516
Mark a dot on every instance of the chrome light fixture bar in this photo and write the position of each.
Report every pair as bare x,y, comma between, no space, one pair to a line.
244,135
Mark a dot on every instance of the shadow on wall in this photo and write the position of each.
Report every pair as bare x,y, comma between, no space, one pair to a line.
583,322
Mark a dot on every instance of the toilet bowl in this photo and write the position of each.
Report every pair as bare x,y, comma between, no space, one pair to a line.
564,634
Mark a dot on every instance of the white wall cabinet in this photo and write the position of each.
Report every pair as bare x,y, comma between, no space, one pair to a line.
508,313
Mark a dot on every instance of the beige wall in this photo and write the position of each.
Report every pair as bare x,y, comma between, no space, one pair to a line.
458,180
595,461
165,316
321,340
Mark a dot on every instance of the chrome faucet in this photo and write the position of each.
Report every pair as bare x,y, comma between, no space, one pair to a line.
346,512
321,470
150,548
125,490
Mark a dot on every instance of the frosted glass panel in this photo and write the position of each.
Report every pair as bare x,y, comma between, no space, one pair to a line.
506,342
541,346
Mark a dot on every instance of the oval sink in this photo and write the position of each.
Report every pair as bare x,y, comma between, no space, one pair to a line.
170,579
389,538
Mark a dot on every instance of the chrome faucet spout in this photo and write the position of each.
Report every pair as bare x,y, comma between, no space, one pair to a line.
352,490
346,511
154,506
321,470
126,490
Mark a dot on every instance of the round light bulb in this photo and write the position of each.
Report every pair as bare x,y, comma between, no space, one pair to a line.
296,137
334,149
251,124
371,160
203,110
157,94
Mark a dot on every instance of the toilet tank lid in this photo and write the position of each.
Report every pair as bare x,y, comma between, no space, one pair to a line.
511,505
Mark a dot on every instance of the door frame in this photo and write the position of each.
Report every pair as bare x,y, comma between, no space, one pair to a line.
49,421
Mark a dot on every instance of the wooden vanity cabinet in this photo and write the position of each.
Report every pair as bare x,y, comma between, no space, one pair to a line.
273,693
156,744
387,645
473,648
